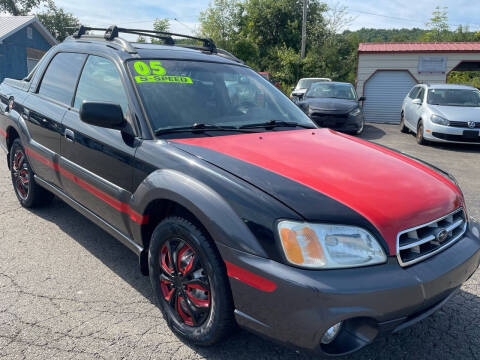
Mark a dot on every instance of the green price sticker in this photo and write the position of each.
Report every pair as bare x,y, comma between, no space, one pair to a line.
163,79
155,72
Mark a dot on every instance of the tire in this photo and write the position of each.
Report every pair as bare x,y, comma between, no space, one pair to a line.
202,315
420,139
403,128
361,128
29,193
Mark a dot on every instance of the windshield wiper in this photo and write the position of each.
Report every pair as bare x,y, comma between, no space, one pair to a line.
276,123
198,127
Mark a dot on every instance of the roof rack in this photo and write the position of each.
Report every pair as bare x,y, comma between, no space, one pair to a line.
113,32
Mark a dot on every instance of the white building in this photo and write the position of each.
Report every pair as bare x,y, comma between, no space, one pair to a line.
387,71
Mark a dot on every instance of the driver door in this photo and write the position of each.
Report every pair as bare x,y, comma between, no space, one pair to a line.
96,163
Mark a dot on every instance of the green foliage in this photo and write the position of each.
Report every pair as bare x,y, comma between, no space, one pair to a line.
465,77
60,23
159,25
438,24
19,7
266,34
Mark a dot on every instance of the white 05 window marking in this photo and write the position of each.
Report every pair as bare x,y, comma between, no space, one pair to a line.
155,72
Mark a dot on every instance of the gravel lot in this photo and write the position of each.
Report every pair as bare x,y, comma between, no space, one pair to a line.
70,291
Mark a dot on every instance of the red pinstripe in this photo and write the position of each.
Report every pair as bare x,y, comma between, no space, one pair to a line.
116,204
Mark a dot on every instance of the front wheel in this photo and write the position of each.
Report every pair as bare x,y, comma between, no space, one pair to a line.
361,128
190,283
28,192
420,131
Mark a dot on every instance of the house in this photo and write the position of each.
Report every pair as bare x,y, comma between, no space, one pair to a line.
23,41
387,71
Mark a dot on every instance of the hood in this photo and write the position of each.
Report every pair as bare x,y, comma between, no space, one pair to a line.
391,191
457,113
330,104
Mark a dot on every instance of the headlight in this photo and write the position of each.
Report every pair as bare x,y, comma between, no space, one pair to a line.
355,112
439,120
323,246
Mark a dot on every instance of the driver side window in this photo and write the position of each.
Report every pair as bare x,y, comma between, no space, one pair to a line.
421,94
100,81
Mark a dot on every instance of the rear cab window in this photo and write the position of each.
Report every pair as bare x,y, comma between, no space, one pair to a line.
61,77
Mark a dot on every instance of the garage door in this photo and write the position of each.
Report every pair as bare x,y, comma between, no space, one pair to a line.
385,92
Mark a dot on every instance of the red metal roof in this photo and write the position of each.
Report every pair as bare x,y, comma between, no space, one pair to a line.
419,47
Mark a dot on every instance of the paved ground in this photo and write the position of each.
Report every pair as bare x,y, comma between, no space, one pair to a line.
70,291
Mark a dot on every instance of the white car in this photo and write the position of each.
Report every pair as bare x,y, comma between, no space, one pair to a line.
442,113
303,85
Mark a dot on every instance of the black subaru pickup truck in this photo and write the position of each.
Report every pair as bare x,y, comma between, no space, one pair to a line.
240,209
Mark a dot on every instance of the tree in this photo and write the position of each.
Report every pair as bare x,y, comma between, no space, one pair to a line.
60,23
160,25
438,25
19,7
222,21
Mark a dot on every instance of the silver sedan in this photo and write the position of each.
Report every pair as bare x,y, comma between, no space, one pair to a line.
442,113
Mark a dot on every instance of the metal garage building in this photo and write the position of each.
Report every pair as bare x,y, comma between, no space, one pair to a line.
387,71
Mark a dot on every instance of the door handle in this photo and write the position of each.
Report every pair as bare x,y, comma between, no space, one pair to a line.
69,135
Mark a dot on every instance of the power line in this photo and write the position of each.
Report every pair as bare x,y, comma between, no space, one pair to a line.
408,19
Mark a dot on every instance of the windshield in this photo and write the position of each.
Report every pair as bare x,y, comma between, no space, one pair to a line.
185,93
305,83
331,90
454,97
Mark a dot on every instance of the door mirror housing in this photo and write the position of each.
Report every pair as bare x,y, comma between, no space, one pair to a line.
417,101
106,115
362,98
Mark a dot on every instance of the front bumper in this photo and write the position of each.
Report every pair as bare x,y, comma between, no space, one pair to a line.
450,134
338,122
369,300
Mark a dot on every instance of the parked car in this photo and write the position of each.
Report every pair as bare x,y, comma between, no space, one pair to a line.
334,105
442,113
302,87
240,212
267,76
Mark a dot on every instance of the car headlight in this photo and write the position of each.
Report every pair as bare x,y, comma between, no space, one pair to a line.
324,246
355,112
439,120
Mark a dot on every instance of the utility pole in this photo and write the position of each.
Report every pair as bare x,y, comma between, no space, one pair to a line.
304,28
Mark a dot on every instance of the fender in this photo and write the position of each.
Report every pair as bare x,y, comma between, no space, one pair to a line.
220,220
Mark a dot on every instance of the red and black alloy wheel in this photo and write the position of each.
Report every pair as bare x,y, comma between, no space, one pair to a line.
190,283
21,174
184,285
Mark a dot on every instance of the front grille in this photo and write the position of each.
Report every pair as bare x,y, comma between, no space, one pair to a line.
463,124
458,138
329,120
424,241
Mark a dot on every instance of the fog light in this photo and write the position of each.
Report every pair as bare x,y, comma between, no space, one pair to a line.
331,333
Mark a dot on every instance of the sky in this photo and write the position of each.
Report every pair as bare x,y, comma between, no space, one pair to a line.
183,14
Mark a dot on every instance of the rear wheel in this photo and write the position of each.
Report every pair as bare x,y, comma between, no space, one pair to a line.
189,282
420,131
403,128
28,192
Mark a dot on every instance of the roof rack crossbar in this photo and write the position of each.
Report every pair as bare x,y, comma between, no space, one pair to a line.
112,34
113,31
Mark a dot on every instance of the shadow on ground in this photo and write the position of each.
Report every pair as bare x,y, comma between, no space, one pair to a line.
371,132
451,333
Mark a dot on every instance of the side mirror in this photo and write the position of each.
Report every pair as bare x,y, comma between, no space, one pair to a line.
293,88
417,101
362,98
106,115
